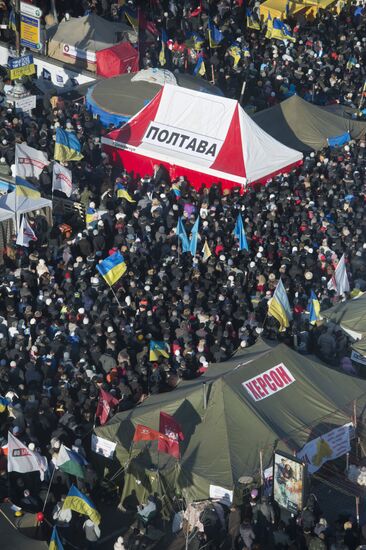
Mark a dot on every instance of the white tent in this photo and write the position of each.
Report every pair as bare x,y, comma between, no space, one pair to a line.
11,209
77,39
203,137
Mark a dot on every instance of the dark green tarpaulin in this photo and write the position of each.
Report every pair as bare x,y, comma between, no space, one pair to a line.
304,126
223,441
350,315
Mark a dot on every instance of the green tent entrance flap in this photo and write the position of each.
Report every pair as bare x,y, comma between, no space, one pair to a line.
264,398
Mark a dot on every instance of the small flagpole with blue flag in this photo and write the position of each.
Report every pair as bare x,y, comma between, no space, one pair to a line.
182,235
194,237
240,234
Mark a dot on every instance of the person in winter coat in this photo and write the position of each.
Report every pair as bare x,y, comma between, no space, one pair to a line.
308,518
317,542
263,517
247,534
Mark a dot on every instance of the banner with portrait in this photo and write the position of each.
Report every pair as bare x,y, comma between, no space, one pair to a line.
289,476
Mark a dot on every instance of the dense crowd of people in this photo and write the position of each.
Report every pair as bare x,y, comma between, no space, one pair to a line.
64,335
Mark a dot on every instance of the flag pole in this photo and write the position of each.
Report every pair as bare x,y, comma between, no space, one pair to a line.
242,91
115,295
49,488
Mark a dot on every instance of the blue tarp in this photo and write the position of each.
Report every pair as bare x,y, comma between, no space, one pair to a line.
105,117
338,141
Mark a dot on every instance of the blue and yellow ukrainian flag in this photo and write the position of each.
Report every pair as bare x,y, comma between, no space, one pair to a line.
122,193
67,146
252,21
78,502
314,309
55,542
157,349
3,403
112,268
287,33
281,31
164,39
235,52
200,67
194,41
269,23
89,215
215,36
25,189
279,306
12,21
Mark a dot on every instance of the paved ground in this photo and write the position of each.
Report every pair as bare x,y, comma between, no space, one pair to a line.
11,538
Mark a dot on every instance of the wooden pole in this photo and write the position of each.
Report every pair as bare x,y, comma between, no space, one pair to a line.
355,414
115,295
261,466
17,25
363,90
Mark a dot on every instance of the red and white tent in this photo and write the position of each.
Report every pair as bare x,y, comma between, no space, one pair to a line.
203,137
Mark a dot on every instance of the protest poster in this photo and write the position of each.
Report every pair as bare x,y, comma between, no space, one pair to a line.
102,446
329,446
288,482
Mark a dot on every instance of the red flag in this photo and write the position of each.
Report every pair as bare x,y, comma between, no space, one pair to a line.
143,433
196,12
172,432
170,427
151,27
105,403
169,446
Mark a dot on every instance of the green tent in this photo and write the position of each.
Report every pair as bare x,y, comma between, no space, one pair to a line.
350,316
304,126
264,398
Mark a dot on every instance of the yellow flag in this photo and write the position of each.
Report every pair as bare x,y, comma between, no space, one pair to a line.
206,252
202,70
123,194
162,58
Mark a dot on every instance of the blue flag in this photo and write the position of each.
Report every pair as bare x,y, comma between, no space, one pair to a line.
215,36
181,232
194,237
240,234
